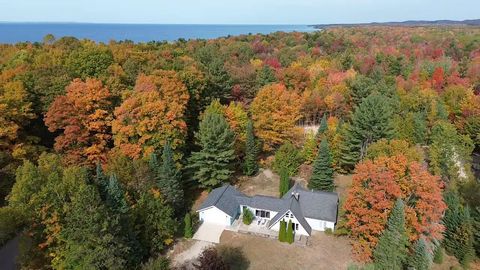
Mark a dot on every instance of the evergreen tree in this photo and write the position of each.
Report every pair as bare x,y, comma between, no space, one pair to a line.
251,151
323,126
420,259
458,229
265,76
101,180
438,255
282,232
284,181
115,197
420,128
371,122
391,250
169,179
322,175
290,236
212,164
188,230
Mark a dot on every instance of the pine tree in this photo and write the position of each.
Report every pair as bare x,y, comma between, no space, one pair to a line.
322,176
100,180
438,255
284,181
188,230
251,151
169,179
391,250
371,122
115,197
458,229
265,76
290,232
323,126
282,232
212,164
420,259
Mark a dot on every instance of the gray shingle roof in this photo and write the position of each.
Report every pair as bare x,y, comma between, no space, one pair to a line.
224,198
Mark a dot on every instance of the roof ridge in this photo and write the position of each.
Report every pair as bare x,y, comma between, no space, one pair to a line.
221,195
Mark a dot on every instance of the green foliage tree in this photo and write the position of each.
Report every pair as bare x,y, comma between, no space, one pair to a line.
420,259
282,233
371,122
212,164
12,220
323,126
265,76
250,166
438,255
290,236
169,179
391,250
458,229
287,157
115,197
309,149
322,175
89,61
188,229
284,182
247,216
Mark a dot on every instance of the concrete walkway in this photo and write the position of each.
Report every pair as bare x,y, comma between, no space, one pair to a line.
209,232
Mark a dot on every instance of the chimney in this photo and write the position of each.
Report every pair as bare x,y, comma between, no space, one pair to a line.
296,195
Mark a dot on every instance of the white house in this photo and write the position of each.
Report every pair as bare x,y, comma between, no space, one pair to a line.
308,210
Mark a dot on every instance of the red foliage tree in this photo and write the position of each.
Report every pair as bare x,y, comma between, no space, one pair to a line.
376,186
83,115
438,78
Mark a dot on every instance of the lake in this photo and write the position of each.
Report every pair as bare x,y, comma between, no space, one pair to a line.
19,32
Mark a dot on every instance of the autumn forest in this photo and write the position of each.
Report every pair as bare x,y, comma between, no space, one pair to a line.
105,147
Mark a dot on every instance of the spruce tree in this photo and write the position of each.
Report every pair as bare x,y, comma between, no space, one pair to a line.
322,175
438,255
115,197
284,181
169,179
391,250
265,76
323,126
188,230
458,229
371,122
290,232
250,166
101,180
212,164
420,259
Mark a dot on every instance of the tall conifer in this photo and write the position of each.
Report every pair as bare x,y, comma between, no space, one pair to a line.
322,176
251,151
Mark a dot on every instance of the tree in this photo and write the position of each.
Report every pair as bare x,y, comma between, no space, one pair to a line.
212,164
420,259
323,126
309,149
188,229
290,236
83,115
152,115
322,175
250,166
89,61
275,112
458,229
209,260
388,148
265,76
391,250
115,197
169,179
370,123
287,157
247,217
284,181
376,185
282,233
438,255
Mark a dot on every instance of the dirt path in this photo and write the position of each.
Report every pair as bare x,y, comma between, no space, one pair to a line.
190,254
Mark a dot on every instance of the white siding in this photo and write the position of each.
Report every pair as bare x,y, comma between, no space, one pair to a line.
300,230
215,216
272,213
320,225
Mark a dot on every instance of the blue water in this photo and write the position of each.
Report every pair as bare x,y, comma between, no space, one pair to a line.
19,32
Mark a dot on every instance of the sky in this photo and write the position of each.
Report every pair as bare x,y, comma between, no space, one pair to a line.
236,11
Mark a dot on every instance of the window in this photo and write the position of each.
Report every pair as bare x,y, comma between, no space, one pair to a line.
262,213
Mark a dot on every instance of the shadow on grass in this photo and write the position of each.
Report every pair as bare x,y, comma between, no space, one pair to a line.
234,257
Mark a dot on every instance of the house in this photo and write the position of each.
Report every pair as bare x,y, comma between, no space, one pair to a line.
308,210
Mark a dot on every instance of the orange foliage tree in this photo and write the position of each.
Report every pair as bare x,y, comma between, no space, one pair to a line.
375,188
275,112
151,115
83,115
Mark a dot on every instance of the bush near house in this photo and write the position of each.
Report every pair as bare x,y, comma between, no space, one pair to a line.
247,216
282,232
290,232
188,230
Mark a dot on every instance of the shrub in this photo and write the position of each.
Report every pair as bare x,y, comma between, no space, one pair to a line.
288,157
188,230
290,236
282,232
234,257
328,231
210,259
11,221
247,216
